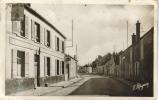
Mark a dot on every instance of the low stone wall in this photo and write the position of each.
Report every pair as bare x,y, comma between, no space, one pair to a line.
51,79
16,85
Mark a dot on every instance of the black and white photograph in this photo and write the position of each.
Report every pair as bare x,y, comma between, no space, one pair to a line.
80,50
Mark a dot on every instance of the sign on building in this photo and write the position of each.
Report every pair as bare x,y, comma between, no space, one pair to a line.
17,13
68,59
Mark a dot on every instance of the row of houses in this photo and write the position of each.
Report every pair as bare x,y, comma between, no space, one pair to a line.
135,63
35,50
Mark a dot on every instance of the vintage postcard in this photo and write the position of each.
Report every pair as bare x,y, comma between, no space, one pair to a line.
79,49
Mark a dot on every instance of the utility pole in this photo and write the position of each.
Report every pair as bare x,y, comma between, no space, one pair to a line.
72,30
76,50
76,62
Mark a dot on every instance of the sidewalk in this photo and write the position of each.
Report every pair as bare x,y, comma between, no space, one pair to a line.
44,90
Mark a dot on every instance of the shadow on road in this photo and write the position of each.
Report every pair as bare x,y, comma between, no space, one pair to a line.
103,86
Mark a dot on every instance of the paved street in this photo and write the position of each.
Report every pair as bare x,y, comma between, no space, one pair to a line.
94,85
103,86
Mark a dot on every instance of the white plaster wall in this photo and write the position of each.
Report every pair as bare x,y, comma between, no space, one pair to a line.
72,68
30,46
52,66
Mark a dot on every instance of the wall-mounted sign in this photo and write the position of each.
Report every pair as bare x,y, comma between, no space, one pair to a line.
17,13
67,58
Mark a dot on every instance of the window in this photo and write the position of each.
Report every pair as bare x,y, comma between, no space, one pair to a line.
57,67
62,67
62,46
57,44
21,63
22,27
48,66
48,38
37,32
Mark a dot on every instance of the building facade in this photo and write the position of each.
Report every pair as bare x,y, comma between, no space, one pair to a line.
135,64
71,67
35,49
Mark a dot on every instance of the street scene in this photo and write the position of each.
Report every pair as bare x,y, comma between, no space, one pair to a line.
79,50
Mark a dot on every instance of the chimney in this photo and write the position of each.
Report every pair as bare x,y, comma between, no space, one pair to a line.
133,38
137,30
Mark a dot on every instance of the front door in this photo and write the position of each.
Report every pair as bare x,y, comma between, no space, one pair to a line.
37,70
68,71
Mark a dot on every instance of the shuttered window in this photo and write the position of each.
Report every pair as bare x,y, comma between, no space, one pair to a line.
62,67
32,30
57,44
62,46
20,63
16,27
45,66
37,32
41,34
48,38
57,67
22,27
26,64
14,63
48,66
19,27
26,26
45,37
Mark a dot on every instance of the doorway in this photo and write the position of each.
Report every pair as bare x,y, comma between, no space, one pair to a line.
67,71
37,70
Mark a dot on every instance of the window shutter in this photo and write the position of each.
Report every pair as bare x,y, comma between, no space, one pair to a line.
32,30
45,65
55,67
16,27
63,46
42,34
60,45
50,39
55,42
14,63
45,36
26,64
26,26
51,69
59,67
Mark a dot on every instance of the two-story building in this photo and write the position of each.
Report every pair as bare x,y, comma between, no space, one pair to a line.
35,49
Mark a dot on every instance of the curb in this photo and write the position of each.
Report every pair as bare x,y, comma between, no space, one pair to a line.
73,83
61,87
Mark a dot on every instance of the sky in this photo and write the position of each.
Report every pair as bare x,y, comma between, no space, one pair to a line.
97,29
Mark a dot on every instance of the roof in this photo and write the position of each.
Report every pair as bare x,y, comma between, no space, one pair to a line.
147,33
43,19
